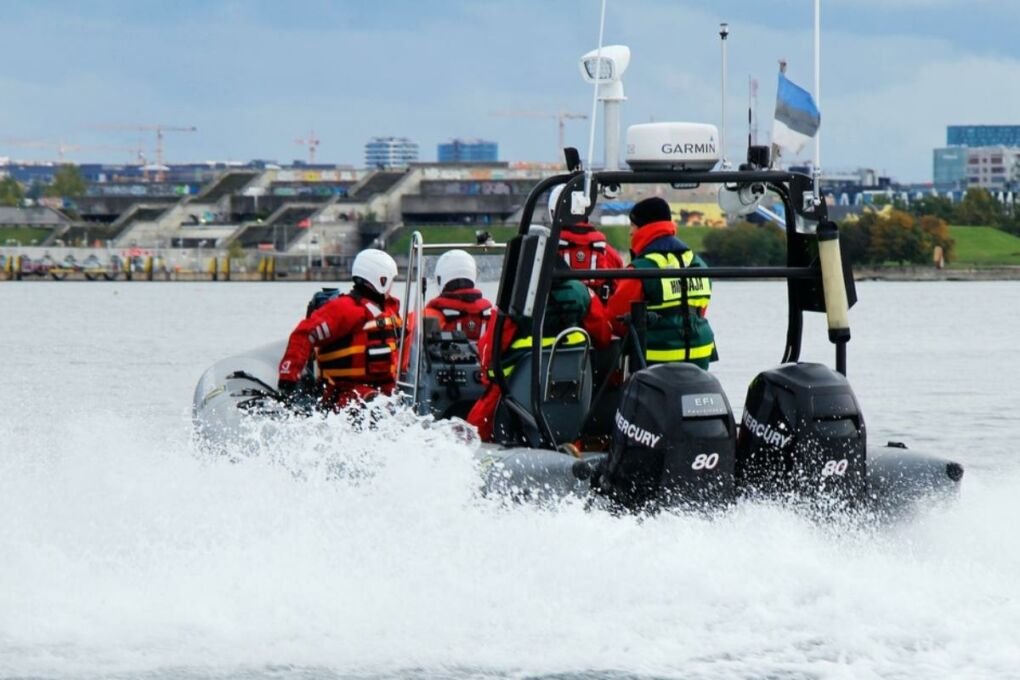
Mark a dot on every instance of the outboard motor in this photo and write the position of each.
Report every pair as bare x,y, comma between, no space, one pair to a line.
802,432
673,440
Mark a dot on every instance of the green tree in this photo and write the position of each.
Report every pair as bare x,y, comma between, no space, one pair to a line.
745,244
67,182
11,193
938,206
979,208
855,236
895,236
36,190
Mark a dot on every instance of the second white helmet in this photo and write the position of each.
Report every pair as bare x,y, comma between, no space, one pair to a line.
455,264
375,268
554,195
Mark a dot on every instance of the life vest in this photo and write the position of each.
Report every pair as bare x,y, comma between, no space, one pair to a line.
568,304
677,329
367,355
463,310
583,249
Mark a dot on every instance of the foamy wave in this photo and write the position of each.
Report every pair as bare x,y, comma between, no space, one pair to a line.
367,549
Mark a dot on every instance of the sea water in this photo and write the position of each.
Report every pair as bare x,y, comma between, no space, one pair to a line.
126,551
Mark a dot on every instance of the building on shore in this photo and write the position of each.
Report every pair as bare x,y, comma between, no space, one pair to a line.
984,156
390,152
983,135
468,151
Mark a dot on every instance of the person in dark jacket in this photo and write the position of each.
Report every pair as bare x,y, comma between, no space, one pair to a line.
678,327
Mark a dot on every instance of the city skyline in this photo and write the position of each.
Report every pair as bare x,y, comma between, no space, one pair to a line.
255,77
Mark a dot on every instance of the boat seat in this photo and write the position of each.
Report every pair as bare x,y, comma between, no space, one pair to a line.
566,389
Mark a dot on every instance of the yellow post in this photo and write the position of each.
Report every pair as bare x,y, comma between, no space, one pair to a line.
271,269
226,268
262,269
149,267
214,265
17,267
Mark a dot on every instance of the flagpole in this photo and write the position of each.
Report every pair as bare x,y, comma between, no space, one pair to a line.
724,31
817,172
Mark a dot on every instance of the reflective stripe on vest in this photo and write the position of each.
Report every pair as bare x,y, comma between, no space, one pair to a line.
699,290
572,339
666,355
369,356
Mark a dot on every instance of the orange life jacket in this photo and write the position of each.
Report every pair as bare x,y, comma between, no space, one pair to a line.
367,355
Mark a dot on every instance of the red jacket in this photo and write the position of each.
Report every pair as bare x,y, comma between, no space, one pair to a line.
583,246
481,415
631,290
462,310
355,346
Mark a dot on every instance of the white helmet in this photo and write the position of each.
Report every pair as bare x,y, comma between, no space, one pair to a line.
455,264
375,268
554,195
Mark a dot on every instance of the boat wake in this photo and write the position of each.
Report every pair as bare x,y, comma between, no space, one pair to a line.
339,548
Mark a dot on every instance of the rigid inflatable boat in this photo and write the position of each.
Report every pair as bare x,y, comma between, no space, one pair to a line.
667,436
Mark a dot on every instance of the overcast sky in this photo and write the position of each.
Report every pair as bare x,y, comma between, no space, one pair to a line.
255,76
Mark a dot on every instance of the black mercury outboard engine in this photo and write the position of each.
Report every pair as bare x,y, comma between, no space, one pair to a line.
673,441
803,433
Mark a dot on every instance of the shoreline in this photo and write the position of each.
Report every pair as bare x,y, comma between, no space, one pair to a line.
907,273
919,273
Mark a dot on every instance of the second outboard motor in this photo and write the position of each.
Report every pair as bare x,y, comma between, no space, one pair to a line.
802,432
673,440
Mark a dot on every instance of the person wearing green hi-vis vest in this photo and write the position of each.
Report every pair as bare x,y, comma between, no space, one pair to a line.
678,328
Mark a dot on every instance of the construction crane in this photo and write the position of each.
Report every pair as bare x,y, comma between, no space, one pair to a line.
561,118
63,149
312,142
159,129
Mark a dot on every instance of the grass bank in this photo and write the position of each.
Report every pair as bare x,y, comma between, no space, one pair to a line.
983,246
24,236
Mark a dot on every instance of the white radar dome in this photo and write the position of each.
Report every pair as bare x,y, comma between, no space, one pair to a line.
672,146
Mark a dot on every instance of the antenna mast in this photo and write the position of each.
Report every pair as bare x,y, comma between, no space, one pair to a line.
594,103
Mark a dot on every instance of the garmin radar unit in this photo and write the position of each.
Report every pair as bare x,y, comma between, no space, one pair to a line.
672,146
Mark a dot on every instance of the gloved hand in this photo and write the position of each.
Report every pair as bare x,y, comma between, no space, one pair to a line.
297,396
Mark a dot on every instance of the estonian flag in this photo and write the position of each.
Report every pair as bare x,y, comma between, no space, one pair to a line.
797,117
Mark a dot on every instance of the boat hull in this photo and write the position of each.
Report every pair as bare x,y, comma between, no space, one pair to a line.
237,389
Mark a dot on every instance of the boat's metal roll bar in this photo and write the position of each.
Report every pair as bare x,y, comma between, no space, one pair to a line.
804,271
416,281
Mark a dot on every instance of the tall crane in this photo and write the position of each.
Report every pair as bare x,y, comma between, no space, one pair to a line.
159,129
312,142
561,118
62,148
